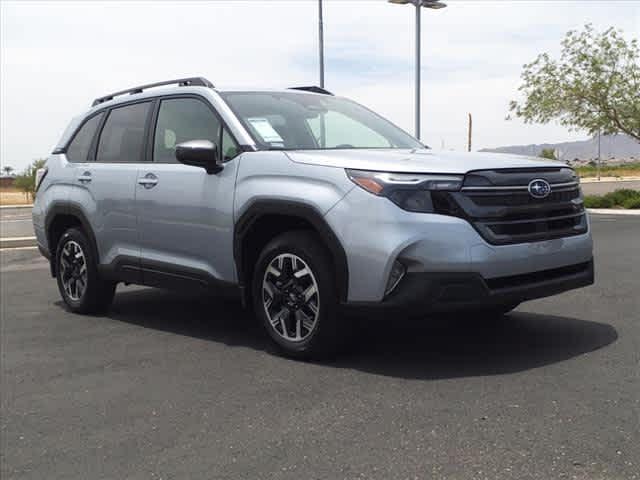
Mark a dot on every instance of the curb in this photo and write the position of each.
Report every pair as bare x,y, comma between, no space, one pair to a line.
15,206
15,242
613,211
608,180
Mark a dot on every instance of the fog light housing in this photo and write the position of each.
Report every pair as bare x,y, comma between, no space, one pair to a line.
397,272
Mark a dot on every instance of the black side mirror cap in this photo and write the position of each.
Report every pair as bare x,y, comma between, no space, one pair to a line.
200,153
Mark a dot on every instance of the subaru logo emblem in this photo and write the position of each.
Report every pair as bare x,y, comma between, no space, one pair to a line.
539,188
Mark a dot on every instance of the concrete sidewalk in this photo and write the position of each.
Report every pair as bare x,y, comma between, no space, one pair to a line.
17,242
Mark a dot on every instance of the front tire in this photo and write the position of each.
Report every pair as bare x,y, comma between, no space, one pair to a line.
295,297
79,283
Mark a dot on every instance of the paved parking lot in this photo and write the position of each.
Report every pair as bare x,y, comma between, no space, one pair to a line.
602,188
15,222
177,386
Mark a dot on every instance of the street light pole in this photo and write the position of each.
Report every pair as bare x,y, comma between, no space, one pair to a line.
433,4
418,67
321,43
470,133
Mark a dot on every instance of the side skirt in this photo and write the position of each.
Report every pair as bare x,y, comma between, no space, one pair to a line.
168,276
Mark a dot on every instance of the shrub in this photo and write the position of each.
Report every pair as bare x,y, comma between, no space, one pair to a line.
624,197
632,202
27,181
619,197
595,201
548,153
621,170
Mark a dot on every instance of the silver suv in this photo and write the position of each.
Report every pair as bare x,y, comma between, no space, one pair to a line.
307,206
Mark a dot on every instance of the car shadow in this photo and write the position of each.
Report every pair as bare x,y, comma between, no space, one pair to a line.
430,348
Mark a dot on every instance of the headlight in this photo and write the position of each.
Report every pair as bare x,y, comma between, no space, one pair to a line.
412,192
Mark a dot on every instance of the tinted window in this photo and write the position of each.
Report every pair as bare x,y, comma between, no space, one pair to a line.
122,137
229,146
181,120
78,150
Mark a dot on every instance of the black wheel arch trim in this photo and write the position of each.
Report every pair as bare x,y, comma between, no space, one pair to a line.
303,211
68,209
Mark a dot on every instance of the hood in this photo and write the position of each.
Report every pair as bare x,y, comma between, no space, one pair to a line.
417,161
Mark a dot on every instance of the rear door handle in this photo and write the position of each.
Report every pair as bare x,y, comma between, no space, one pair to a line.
148,181
85,177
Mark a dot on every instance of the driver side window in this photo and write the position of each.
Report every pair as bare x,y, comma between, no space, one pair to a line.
181,120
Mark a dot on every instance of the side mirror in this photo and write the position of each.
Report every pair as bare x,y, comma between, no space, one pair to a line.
199,153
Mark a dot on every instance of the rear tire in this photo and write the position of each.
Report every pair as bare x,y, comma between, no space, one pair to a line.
79,283
294,296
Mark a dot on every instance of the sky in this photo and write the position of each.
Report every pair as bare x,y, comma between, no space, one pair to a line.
56,57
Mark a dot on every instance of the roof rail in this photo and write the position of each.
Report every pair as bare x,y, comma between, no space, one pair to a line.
183,82
313,89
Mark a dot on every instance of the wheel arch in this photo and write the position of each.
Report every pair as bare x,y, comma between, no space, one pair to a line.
290,215
59,218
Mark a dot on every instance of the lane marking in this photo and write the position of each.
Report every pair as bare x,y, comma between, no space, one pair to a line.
13,249
9,242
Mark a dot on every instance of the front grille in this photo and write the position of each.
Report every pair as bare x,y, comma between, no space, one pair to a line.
520,198
498,204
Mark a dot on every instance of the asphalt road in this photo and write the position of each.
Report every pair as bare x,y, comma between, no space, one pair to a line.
15,222
177,386
600,188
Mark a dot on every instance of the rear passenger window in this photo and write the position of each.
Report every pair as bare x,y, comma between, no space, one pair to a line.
78,149
181,120
122,138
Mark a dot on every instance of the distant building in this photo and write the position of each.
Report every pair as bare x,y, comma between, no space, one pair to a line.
7,181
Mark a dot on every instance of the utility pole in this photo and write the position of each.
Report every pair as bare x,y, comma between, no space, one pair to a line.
323,134
417,86
598,162
470,130
321,43
418,4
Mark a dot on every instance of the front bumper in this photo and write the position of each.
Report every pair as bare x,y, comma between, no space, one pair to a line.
375,232
420,293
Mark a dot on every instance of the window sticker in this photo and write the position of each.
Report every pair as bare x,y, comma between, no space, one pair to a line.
265,130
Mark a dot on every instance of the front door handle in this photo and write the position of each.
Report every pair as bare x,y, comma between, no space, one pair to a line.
148,181
85,177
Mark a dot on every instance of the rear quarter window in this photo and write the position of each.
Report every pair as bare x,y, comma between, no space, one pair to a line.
78,150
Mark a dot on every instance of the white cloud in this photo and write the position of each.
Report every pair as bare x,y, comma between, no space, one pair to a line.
57,57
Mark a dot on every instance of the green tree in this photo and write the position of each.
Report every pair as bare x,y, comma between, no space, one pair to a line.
7,169
548,153
593,86
27,180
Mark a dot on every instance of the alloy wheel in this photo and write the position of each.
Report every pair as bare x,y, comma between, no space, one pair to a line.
290,297
73,270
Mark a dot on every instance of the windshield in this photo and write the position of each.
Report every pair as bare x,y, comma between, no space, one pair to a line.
302,121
